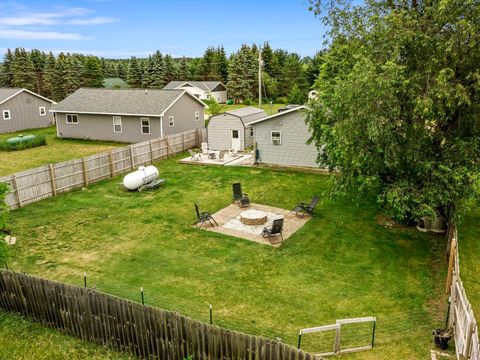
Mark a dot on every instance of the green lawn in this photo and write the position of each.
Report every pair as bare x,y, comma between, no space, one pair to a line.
56,150
469,247
343,263
26,340
269,109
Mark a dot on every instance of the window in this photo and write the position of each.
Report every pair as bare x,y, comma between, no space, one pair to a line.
72,119
251,131
171,121
235,134
117,124
145,125
42,111
6,115
197,115
276,137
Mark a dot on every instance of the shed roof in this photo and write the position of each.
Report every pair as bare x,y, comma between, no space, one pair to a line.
276,115
8,93
203,85
151,102
247,114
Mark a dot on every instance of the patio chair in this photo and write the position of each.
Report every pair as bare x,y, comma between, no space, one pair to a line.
205,148
194,156
304,208
221,155
203,217
275,231
239,197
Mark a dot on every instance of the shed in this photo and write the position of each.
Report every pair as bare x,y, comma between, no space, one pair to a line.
229,130
282,139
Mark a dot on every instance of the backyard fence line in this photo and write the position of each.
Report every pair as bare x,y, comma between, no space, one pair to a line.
145,331
50,180
461,318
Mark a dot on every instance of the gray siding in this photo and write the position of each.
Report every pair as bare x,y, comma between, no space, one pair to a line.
220,131
184,112
100,127
25,113
293,150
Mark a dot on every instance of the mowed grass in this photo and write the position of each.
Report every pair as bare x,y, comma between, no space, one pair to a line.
344,263
469,250
269,109
26,340
56,150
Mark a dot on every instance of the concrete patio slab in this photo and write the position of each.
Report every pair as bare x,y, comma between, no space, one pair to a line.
228,160
225,216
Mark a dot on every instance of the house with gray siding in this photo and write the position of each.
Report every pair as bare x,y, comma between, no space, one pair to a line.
22,109
230,131
203,90
281,139
127,115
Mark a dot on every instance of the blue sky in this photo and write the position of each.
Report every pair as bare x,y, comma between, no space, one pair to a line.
121,28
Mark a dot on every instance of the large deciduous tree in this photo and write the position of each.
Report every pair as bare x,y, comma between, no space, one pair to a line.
398,109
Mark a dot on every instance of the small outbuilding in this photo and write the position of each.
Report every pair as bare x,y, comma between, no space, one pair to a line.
281,139
229,130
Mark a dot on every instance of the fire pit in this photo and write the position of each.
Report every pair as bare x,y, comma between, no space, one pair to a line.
253,217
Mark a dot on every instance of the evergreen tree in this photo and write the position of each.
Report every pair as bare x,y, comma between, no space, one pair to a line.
72,79
296,95
222,64
134,76
38,60
171,69
148,74
313,68
267,57
6,70
159,71
183,72
49,75
241,75
57,90
292,73
207,69
23,70
121,71
92,72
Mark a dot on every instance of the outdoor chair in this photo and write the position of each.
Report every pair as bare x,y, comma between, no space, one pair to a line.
203,217
304,208
239,197
221,155
195,156
275,231
205,148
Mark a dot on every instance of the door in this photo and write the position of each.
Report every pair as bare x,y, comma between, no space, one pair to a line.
236,140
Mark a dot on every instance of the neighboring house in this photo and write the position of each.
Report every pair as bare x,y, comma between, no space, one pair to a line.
229,130
127,115
202,89
22,109
282,139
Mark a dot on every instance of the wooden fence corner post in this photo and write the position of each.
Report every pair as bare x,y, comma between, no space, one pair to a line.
131,157
53,179
337,339
14,181
85,173
453,246
112,167
151,150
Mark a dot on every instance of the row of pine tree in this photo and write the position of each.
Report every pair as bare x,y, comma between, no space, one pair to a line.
286,76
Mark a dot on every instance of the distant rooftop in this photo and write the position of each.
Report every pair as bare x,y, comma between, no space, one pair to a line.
204,85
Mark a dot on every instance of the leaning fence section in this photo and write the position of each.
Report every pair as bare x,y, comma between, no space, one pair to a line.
145,331
36,184
461,318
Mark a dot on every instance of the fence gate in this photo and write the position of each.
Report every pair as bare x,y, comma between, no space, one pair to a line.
337,327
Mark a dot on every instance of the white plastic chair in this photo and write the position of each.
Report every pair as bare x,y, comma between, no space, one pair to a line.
205,148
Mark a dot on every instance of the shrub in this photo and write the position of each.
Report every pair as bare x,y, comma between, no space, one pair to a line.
37,141
281,100
248,102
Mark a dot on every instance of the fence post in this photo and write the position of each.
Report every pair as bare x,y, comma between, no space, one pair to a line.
453,249
52,178
14,181
183,142
131,156
151,150
337,339
112,167
85,175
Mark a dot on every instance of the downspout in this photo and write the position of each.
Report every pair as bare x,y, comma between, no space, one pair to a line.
161,125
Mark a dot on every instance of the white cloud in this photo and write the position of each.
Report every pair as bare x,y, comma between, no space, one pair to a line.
40,35
99,20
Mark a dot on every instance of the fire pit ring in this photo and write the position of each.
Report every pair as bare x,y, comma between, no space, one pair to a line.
253,217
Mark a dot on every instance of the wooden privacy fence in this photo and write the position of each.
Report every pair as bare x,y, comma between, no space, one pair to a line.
36,184
145,331
461,318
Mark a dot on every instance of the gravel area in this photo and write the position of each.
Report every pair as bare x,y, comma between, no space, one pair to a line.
236,224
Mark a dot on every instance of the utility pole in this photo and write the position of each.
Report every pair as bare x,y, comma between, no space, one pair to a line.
259,77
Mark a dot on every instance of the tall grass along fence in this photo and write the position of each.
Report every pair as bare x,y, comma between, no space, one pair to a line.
36,184
460,314
145,331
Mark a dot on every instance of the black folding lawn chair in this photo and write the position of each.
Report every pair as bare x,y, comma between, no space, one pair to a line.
203,217
239,197
304,208
275,231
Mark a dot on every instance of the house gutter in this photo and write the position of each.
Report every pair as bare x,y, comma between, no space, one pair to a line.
161,125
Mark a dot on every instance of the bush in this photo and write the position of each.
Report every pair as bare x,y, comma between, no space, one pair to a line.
281,100
37,141
248,102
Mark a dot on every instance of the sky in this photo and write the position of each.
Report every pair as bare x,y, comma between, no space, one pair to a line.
122,28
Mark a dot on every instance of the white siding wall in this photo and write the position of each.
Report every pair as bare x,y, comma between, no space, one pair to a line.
219,132
293,150
219,96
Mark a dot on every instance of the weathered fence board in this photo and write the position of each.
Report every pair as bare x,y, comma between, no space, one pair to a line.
36,184
461,318
128,326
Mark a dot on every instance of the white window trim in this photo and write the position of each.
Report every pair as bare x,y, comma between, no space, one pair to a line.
44,111
271,137
9,117
71,123
141,125
171,121
121,125
197,115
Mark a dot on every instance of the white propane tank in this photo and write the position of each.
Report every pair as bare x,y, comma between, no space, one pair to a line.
142,176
